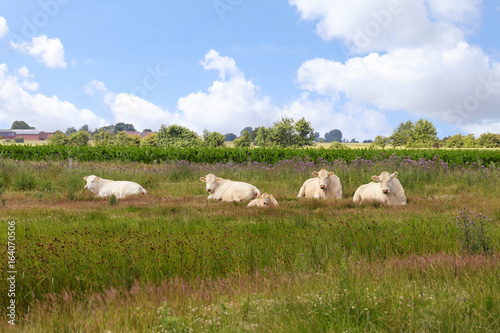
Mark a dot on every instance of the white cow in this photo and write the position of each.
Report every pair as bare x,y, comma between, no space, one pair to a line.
264,200
105,187
228,190
388,190
326,185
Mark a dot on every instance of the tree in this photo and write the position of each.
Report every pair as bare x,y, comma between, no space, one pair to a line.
85,128
283,132
424,134
80,138
70,131
229,137
305,135
402,134
333,135
103,138
59,138
122,138
489,140
243,141
247,129
124,127
263,137
380,141
212,139
177,136
20,125
317,137
150,140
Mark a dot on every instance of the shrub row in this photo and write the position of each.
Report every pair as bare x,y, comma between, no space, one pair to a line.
239,155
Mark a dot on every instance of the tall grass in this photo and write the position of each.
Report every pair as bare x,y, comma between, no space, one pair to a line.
279,269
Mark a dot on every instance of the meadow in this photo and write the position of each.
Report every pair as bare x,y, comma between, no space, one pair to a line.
171,261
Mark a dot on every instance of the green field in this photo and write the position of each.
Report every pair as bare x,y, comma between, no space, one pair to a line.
171,261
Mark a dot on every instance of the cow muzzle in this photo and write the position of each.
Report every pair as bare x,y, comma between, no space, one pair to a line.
323,187
209,190
385,191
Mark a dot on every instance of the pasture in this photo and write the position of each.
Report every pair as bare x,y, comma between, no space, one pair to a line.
171,261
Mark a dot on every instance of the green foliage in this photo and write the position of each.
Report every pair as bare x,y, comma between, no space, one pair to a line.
177,136
489,140
402,134
305,135
475,232
333,135
243,141
80,138
213,139
150,140
424,134
380,141
263,137
20,125
127,140
119,127
103,138
59,138
283,132
112,200
238,155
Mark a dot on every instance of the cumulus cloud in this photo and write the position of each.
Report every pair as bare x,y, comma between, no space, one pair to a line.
379,25
325,114
416,59
231,102
40,111
4,29
131,109
47,51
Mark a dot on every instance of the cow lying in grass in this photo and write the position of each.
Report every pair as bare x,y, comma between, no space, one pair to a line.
326,185
228,190
386,189
105,187
264,200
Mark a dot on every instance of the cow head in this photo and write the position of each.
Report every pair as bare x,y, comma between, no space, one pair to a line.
91,182
324,178
211,182
385,180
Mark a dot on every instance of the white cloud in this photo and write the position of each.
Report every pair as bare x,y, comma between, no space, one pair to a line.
229,104
4,29
423,82
424,65
355,121
47,51
379,25
131,109
40,111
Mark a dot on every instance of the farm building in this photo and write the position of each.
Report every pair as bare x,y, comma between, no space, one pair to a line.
26,134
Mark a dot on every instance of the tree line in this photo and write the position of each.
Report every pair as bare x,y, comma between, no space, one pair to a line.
283,133
423,134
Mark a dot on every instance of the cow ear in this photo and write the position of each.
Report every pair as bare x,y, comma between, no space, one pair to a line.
85,178
218,179
376,178
394,175
98,179
203,179
330,174
315,173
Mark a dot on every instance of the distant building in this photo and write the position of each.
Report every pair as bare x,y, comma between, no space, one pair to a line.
7,134
34,135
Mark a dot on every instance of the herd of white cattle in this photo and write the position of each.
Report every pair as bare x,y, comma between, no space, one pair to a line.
385,189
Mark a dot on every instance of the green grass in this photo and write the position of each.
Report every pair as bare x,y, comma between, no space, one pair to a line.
172,261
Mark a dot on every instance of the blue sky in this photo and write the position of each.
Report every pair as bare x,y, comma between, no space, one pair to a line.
361,66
